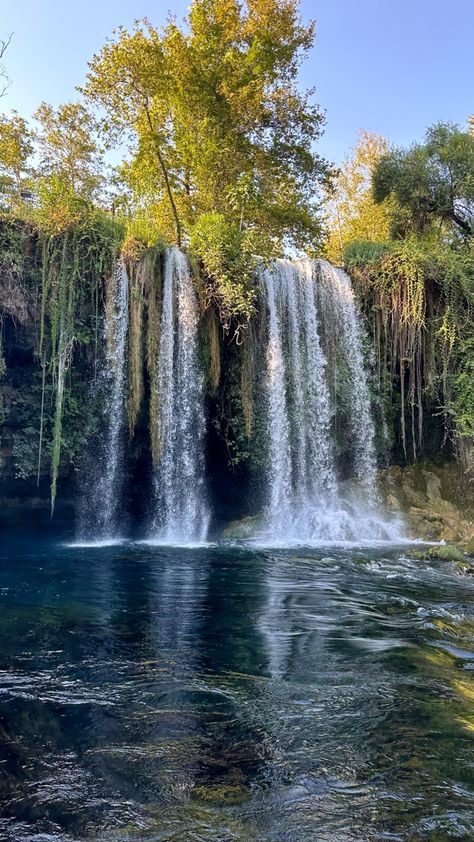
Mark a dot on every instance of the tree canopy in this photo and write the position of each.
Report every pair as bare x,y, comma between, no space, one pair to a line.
68,148
216,120
353,213
432,182
16,147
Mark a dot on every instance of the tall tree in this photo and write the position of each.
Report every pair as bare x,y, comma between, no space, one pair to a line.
16,147
216,119
432,182
68,147
352,212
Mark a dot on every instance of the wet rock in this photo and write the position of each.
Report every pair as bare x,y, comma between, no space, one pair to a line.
465,568
446,553
443,552
433,500
246,527
449,534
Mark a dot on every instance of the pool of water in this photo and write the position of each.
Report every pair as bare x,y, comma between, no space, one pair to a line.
234,694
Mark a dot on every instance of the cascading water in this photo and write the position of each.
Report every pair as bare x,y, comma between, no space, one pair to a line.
311,310
181,514
100,509
339,311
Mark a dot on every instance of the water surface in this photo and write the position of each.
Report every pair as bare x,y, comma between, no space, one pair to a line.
234,694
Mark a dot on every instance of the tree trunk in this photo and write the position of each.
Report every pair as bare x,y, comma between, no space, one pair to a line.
164,171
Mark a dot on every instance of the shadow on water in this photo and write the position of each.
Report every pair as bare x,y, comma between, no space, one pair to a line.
231,693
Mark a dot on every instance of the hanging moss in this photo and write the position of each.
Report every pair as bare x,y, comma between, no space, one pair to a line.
153,287
417,296
247,378
135,345
213,339
73,264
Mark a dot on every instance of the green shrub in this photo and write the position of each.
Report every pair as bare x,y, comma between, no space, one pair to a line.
228,257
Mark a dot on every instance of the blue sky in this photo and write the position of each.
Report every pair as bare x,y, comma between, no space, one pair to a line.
392,68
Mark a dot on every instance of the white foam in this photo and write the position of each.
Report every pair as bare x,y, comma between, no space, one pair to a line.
105,542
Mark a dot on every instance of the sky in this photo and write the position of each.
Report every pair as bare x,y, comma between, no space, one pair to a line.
389,67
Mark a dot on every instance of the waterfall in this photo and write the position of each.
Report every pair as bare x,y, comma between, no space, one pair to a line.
181,514
99,510
315,337
338,306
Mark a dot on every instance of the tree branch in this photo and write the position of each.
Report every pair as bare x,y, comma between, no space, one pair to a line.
3,73
463,223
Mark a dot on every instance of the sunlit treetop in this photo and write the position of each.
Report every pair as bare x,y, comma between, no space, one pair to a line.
216,119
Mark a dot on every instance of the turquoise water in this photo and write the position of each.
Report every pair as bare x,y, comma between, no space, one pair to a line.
234,694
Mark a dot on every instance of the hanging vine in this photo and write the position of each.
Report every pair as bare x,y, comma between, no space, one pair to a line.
416,297
153,287
73,264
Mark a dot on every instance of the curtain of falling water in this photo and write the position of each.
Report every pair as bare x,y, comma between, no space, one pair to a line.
304,499
181,514
101,498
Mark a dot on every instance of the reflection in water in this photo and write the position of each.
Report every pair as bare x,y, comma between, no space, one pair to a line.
222,693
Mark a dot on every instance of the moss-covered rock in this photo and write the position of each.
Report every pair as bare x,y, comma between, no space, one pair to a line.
432,499
465,568
441,552
446,552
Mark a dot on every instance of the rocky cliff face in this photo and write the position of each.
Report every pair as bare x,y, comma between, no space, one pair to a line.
436,502
433,499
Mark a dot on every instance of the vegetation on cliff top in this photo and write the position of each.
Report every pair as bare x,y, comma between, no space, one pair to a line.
415,279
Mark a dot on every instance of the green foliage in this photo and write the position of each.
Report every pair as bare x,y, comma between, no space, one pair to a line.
141,233
12,241
228,418
462,403
228,257
432,182
25,452
418,298
353,215
363,253
68,148
16,148
219,127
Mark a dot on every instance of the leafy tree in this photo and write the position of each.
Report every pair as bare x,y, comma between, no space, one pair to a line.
216,121
432,182
16,147
352,212
68,147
